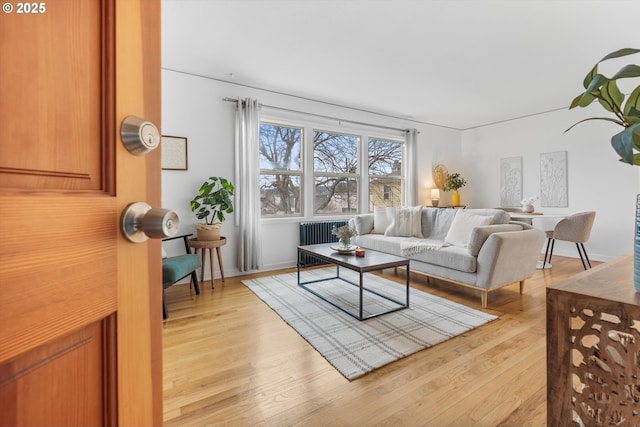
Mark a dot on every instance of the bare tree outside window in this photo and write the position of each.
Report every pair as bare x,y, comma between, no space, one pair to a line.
385,173
280,169
335,164
336,180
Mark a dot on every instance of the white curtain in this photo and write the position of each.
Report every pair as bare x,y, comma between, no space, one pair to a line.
247,184
410,180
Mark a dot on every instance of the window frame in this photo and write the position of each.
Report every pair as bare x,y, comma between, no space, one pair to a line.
309,124
289,172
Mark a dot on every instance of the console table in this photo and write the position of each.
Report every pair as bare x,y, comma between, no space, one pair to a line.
593,342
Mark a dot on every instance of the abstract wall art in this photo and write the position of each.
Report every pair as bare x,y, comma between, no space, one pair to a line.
510,181
553,180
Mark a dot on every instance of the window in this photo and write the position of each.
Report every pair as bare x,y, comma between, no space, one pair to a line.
280,169
335,166
307,170
385,173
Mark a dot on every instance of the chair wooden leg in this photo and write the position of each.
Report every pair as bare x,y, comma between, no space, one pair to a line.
483,299
521,287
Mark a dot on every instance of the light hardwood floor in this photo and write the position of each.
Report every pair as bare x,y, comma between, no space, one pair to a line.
229,360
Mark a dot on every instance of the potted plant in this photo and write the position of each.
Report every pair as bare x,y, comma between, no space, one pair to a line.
454,182
626,113
211,203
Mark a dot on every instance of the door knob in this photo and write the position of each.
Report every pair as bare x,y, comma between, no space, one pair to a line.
140,222
139,136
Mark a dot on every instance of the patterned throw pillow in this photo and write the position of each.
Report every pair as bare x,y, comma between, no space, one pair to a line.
406,222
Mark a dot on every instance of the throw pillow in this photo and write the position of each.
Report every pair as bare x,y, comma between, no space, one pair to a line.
462,226
363,223
381,219
406,222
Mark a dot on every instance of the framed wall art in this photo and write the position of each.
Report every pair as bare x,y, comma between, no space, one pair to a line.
553,180
174,153
510,181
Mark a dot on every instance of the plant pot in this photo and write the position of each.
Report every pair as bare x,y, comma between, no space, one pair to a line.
528,209
636,248
208,231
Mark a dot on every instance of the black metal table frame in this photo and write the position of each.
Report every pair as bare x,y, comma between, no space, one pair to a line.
360,285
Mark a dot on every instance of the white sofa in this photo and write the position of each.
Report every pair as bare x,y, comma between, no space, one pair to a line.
477,248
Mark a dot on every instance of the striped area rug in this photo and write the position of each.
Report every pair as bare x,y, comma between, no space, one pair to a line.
356,347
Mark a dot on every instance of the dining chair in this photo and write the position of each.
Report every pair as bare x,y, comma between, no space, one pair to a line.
575,228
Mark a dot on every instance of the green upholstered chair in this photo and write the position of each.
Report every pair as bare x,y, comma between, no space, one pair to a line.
178,267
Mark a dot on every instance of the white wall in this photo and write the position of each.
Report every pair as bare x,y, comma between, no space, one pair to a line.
192,107
597,180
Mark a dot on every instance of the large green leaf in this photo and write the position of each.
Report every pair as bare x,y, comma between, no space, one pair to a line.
598,80
619,53
587,79
635,135
623,144
582,100
632,107
628,71
611,96
618,122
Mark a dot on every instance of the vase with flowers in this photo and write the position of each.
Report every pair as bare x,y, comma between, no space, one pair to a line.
454,181
626,113
527,204
344,235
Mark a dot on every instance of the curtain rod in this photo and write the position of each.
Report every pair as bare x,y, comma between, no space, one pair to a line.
227,99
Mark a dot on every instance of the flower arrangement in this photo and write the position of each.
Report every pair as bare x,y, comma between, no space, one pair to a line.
527,204
344,234
529,201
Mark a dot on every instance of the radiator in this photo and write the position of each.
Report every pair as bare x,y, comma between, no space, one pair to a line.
312,233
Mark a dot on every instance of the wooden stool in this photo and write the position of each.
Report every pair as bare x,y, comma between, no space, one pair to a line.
203,245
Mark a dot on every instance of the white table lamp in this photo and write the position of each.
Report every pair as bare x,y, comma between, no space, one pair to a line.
435,197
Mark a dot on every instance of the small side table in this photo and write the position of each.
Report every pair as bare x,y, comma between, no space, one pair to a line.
203,245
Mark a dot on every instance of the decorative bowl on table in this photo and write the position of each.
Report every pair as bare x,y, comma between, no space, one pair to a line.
344,249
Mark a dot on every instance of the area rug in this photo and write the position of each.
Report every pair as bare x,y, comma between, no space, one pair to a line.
356,347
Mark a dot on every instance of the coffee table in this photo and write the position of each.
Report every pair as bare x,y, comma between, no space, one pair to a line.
372,261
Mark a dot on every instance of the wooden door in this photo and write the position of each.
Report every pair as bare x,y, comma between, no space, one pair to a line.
80,319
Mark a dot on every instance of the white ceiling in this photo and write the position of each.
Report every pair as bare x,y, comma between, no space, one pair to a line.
455,63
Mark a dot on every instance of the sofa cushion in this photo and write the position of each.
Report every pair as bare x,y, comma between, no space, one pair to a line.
462,226
453,257
406,222
362,223
177,267
381,219
479,235
436,222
